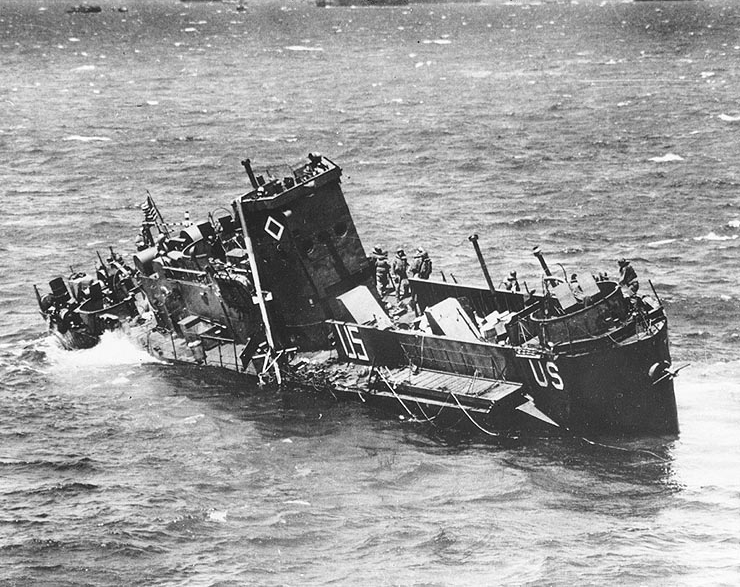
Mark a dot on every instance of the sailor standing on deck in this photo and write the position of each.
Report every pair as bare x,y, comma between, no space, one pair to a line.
628,276
400,269
422,267
382,270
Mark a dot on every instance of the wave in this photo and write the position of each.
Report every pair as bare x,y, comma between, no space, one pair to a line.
713,236
84,139
114,348
667,158
63,487
660,243
303,48
70,464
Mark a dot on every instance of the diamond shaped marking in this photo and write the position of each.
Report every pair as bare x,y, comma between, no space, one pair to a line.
274,228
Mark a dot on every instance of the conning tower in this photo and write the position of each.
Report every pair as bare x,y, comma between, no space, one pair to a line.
306,249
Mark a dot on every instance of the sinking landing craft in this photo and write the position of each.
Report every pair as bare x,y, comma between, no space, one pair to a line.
81,308
280,287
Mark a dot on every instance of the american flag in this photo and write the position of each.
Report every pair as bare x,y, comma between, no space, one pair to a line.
150,212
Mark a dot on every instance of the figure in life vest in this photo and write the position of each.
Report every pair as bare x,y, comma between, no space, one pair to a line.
399,269
422,267
382,270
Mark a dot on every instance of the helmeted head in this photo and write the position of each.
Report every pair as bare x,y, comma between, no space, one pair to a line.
401,253
512,275
377,250
622,262
574,277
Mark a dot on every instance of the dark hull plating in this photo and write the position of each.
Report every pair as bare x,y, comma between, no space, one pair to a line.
604,392
611,390
75,338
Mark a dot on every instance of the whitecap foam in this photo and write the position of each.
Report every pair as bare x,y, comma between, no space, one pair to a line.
713,236
667,158
114,348
302,48
728,118
83,139
666,241
120,380
217,516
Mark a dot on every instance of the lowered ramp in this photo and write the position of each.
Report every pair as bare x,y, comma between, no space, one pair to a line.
451,389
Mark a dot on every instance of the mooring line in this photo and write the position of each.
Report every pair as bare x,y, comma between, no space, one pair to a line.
393,391
620,448
488,432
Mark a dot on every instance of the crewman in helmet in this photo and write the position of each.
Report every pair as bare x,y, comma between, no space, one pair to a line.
422,267
382,270
628,276
400,269
512,283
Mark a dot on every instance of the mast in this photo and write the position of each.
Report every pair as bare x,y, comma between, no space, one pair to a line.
538,253
473,238
260,296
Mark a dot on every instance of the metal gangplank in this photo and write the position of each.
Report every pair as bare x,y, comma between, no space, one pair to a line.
439,388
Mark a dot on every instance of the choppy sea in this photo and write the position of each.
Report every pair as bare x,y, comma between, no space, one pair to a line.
594,129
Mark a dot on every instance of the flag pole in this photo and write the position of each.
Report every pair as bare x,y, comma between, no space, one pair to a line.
159,214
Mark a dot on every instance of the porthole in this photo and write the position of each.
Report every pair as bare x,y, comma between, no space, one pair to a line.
340,229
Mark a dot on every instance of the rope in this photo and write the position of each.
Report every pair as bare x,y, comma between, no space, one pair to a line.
442,407
393,391
427,418
620,448
478,426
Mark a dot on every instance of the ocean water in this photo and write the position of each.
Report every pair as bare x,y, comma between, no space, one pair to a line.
594,129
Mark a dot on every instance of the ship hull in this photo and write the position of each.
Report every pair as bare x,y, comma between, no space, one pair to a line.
608,391
75,338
